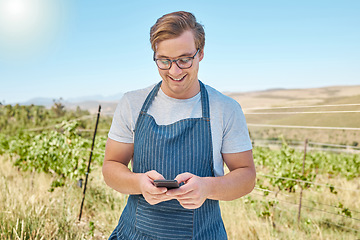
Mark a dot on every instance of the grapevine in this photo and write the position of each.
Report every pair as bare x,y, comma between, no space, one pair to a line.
61,152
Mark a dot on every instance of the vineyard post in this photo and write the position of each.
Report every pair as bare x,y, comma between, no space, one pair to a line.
88,168
302,173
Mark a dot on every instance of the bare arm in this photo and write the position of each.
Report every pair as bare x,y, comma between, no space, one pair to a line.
237,183
118,176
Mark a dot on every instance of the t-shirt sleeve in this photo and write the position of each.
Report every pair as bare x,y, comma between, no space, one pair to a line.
121,129
235,133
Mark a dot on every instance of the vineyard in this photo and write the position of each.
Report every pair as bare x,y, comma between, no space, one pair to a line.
300,194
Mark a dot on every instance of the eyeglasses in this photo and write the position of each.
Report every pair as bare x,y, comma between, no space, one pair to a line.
182,63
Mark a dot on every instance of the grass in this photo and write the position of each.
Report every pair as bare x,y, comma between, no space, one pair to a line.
30,211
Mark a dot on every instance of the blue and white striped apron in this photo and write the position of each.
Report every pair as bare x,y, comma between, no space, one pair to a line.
184,146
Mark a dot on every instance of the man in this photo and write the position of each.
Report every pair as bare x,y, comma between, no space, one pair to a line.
178,129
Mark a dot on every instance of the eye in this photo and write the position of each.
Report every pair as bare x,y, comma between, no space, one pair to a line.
164,61
184,60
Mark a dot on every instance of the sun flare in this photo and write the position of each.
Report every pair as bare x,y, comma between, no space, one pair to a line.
25,25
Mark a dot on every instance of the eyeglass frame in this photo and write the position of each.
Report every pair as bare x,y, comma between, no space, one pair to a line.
175,61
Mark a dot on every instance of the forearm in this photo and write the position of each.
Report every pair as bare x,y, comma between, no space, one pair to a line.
233,185
121,178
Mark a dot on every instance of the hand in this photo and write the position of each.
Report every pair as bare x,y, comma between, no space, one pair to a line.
153,195
193,193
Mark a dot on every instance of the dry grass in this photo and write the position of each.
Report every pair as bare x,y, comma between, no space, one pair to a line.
29,211
245,219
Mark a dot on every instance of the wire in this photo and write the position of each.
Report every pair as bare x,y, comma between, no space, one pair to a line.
291,142
305,127
312,201
297,180
325,204
333,145
320,210
297,147
333,150
316,209
313,106
319,112
294,212
309,143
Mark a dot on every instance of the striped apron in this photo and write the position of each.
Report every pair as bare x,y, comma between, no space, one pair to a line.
184,146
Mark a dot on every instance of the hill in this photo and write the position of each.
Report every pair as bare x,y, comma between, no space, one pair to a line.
297,97
305,109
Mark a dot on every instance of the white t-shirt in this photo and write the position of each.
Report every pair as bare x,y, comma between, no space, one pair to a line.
228,124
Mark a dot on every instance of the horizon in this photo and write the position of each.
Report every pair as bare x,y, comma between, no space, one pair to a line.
78,49
116,97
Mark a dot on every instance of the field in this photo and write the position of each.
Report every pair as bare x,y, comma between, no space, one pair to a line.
31,211
44,153
267,108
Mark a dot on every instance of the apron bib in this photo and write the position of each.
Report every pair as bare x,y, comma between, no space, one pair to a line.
184,146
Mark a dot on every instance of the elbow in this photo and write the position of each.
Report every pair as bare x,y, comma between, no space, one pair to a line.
253,179
251,183
252,186
105,172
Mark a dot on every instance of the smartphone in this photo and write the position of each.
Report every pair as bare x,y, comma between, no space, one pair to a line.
169,184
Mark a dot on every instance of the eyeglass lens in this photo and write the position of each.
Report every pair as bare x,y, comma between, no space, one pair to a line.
181,63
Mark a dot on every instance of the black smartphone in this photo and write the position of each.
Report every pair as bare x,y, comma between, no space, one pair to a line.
169,184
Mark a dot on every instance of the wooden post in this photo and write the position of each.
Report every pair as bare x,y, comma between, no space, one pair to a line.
302,173
88,168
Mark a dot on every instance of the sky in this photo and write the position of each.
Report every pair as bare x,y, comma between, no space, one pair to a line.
67,49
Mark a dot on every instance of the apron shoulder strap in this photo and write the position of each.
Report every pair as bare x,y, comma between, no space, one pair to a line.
150,98
204,101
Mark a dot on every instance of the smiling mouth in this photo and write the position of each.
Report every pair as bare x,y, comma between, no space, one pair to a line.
178,79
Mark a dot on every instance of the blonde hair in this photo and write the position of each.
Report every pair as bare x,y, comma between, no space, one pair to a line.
172,25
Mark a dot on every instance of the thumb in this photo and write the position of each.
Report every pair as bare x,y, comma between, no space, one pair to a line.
184,177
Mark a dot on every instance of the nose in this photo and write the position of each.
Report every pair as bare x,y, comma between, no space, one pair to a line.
175,70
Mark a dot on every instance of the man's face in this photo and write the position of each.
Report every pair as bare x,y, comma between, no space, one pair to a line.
179,83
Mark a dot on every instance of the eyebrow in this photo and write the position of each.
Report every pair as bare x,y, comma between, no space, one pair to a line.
182,55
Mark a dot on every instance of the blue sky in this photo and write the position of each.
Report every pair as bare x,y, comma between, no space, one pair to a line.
77,48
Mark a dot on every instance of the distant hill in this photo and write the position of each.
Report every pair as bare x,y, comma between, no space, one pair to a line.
89,103
256,108
294,97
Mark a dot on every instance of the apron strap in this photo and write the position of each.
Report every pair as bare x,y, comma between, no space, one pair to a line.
204,100
150,98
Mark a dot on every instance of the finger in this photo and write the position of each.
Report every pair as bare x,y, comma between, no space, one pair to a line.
184,177
148,186
152,189
153,175
158,190
189,205
180,192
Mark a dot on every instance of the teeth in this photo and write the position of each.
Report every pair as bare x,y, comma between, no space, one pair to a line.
177,79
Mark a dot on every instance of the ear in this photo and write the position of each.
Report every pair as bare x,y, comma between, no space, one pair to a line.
201,54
